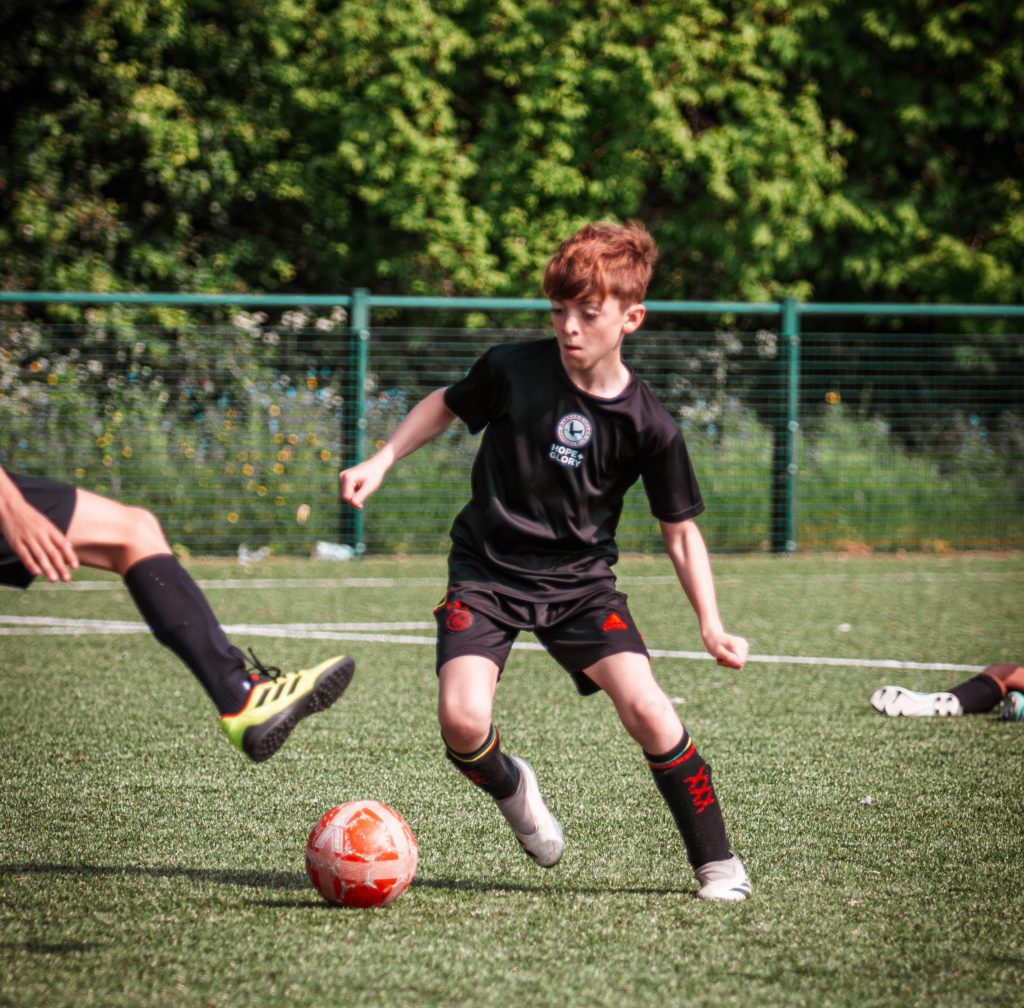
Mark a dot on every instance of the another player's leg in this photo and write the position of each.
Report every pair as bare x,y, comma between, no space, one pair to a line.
977,695
680,773
1010,678
472,743
277,701
259,705
898,701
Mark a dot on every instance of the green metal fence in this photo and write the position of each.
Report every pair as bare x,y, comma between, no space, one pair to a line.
877,427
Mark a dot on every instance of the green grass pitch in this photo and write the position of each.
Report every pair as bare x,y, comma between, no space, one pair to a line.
145,862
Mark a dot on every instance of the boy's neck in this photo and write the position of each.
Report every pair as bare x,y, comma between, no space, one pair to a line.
607,379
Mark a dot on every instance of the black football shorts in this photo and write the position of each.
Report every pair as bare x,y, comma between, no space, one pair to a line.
473,619
56,501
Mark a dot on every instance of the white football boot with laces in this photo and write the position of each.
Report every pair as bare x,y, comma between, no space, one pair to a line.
536,829
723,880
895,701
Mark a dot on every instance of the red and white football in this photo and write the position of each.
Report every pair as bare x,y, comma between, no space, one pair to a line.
361,854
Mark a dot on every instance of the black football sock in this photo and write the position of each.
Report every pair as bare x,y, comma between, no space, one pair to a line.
979,694
684,780
181,619
488,767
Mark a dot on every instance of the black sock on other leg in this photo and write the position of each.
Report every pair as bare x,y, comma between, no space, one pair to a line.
181,619
488,767
684,780
979,694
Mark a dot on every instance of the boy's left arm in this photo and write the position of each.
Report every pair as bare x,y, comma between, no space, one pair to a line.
689,555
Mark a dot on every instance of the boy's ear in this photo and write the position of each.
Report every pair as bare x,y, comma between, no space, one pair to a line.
635,314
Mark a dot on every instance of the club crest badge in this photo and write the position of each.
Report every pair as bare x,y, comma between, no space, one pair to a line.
574,430
459,618
572,433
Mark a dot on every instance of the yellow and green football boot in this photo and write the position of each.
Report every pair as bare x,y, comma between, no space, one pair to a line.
278,701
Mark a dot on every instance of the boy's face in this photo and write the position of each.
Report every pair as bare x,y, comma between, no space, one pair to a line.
589,331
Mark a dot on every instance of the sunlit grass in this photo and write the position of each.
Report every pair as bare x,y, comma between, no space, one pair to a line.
143,862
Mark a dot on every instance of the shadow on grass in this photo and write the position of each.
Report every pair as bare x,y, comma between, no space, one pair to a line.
49,948
223,876
298,881
469,885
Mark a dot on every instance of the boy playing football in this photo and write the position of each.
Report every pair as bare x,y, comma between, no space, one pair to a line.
568,428
49,528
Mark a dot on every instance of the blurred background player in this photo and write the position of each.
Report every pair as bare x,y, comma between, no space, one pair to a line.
49,529
1001,684
568,428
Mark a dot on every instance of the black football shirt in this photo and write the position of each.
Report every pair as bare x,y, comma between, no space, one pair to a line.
552,470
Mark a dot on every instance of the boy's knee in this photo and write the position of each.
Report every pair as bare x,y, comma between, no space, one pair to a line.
464,728
140,537
649,713
143,529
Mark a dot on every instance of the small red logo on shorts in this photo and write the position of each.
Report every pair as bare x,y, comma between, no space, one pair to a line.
614,622
459,617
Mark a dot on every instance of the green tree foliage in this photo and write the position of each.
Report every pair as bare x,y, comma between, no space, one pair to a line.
820,148
933,94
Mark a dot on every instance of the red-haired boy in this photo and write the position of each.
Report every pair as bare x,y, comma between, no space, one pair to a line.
568,429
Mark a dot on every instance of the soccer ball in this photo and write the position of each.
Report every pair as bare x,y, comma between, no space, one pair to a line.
361,854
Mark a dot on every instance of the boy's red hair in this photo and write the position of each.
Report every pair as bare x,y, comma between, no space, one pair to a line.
602,259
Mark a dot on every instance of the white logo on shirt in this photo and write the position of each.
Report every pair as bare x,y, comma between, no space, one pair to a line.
574,432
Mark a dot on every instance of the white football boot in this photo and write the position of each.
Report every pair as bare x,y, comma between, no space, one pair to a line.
536,829
895,701
723,880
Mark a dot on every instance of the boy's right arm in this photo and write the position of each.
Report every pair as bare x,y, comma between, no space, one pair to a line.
428,418
40,545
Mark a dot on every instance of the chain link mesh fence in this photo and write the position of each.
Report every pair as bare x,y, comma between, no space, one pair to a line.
234,435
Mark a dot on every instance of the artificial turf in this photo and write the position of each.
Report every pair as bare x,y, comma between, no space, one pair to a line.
145,862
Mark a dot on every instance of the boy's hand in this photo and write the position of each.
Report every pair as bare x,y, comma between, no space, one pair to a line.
727,649
40,545
360,481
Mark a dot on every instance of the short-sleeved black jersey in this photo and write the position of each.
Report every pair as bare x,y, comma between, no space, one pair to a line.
552,470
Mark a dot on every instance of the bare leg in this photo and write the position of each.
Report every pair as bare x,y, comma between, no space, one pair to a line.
112,536
1008,674
465,705
644,710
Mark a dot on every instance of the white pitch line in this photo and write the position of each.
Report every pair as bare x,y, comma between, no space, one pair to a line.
217,584
887,663
369,633
101,626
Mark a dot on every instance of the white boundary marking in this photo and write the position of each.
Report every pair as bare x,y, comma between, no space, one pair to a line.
217,584
19,626
254,582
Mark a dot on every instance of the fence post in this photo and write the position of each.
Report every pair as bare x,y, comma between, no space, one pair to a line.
353,416
784,462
